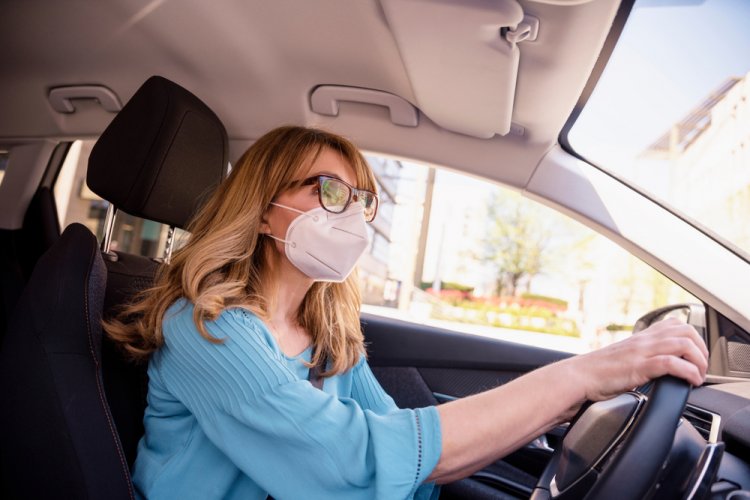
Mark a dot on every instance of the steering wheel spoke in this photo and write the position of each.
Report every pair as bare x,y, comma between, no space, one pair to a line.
615,449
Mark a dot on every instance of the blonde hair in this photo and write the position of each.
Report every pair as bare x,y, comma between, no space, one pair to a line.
226,262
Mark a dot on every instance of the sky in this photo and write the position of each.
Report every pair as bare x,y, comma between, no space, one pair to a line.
670,57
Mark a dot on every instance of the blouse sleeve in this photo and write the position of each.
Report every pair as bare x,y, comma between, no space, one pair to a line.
370,395
367,391
293,440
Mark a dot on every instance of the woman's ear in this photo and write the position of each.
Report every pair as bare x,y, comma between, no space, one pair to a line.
264,227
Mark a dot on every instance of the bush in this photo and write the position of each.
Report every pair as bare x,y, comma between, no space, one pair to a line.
447,285
544,298
534,319
616,327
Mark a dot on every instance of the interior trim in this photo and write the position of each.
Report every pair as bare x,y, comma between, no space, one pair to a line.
325,100
26,166
599,201
705,415
61,98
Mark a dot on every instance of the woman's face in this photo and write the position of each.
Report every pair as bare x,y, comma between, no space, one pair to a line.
277,219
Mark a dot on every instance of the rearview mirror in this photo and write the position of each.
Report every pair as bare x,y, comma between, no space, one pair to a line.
692,314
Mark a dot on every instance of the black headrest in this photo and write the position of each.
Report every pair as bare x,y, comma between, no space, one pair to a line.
162,153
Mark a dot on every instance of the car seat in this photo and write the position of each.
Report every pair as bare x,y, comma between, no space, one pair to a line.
20,249
72,405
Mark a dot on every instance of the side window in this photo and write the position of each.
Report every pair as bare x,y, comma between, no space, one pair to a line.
77,203
3,164
472,256
453,251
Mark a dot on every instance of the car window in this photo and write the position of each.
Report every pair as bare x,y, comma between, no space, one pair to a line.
454,251
671,112
77,203
473,256
3,164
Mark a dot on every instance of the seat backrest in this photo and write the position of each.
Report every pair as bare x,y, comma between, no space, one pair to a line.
20,250
125,382
72,404
58,437
160,157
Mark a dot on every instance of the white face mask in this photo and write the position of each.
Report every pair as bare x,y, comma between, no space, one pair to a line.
323,245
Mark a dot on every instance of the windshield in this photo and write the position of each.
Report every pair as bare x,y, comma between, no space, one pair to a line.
671,111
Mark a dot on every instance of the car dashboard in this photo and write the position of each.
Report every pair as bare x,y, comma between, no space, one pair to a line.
720,413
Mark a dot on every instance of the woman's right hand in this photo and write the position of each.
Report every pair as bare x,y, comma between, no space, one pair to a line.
479,429
669,347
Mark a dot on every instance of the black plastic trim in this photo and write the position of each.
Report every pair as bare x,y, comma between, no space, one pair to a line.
623,12
393,342
54,166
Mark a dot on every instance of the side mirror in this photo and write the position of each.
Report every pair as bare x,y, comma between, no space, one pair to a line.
692,314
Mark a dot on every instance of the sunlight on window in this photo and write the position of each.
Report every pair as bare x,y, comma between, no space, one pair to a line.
3,164
469,255
674,118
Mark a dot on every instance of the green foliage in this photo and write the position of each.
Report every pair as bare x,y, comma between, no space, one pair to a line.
448,285
545,298
616,327
534,319
516,240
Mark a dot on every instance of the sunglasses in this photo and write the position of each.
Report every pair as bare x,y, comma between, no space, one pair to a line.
335,195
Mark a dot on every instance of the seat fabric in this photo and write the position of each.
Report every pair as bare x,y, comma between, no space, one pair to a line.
73,404
59,439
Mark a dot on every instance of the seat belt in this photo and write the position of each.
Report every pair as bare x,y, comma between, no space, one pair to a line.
313,376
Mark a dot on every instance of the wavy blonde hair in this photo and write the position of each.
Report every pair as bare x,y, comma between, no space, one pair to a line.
227,263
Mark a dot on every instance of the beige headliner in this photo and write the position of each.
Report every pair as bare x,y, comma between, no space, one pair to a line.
255,64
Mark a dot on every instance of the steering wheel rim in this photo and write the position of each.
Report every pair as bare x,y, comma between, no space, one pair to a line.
632,460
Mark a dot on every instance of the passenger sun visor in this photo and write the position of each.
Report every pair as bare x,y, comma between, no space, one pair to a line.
462,57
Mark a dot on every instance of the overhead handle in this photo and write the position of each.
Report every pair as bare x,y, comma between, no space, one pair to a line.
325,101
61,98
526,31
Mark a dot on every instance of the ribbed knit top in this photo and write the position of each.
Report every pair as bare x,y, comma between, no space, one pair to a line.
240,420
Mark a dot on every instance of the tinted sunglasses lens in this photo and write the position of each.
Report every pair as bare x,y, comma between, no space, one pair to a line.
334,195
370,203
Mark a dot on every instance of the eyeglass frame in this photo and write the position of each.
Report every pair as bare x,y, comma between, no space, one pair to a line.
353,191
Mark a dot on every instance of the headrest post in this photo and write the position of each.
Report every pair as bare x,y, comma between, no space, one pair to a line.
169,245
109,226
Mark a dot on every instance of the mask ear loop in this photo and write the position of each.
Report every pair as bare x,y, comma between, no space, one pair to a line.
301,212
291,243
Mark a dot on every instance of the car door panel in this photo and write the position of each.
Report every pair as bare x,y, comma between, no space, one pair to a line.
420,365
393,342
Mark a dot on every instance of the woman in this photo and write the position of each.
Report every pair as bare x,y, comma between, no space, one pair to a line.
261,302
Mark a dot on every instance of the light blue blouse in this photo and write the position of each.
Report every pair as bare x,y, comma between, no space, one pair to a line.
240,420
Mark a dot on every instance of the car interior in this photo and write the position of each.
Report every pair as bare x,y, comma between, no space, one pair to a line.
171,93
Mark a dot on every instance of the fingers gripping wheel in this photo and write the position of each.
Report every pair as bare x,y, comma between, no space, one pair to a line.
616,449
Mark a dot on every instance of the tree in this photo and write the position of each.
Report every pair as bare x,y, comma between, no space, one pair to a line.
516,240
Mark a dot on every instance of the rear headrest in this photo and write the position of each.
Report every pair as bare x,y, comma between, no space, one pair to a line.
161,155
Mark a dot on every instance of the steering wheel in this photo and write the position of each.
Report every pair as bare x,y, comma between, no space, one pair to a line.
615,449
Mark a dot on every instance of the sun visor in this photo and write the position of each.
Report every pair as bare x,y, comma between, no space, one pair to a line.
461,57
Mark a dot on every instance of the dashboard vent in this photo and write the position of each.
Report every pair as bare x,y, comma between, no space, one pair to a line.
705,422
